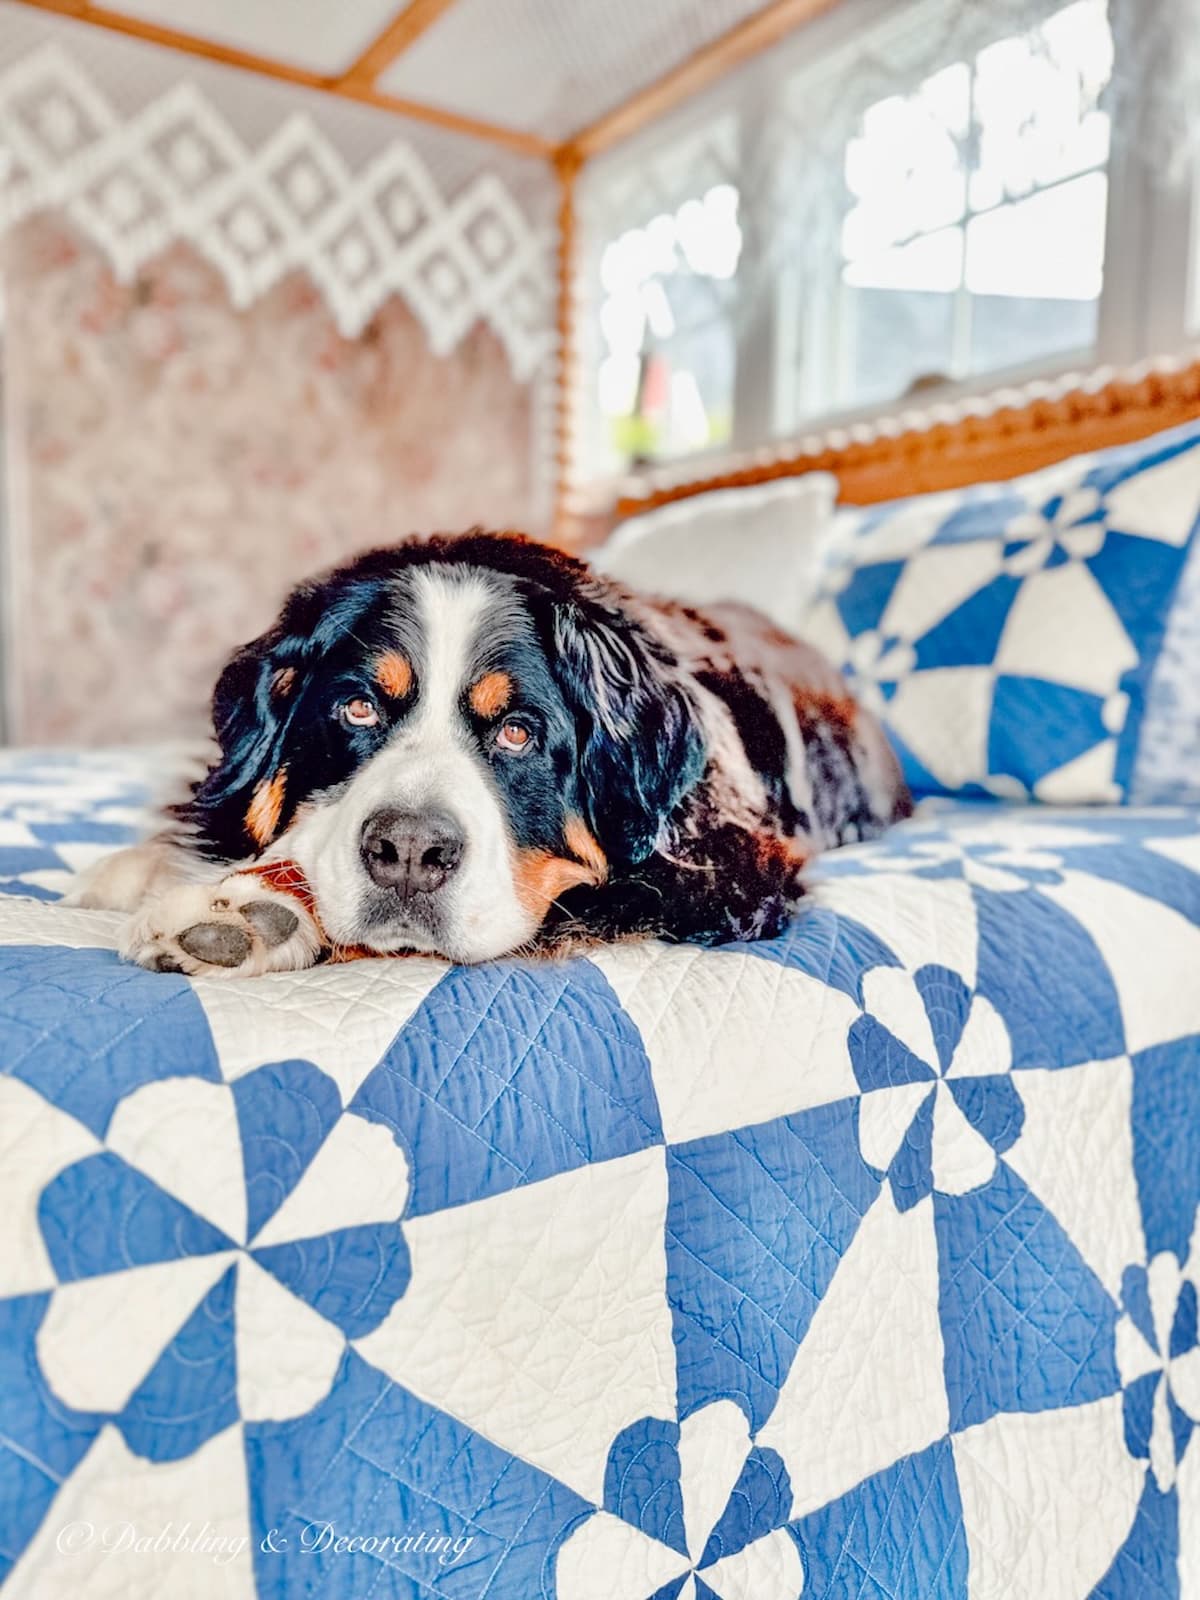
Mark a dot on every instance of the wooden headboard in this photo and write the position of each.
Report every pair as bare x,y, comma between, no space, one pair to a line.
1002,437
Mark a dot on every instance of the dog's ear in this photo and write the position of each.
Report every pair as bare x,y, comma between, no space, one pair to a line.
641,748
249,795
241,803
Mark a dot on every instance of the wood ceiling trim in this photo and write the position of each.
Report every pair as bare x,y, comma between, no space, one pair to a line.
401,33
364,93
742,42
358,83
524,144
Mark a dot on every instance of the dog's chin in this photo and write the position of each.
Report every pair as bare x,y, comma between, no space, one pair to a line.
420,927
391,927
403,941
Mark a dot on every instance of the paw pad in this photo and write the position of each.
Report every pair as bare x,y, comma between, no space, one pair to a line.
218,943
272,921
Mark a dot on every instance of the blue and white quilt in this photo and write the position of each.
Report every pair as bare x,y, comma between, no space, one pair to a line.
861,1263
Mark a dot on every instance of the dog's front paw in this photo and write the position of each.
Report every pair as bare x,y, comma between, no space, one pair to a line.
238,928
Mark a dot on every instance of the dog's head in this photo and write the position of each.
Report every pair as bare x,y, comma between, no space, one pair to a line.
447,737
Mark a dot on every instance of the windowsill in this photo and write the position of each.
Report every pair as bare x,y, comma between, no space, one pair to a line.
947,392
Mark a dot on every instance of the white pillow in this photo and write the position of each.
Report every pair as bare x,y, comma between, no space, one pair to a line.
763,546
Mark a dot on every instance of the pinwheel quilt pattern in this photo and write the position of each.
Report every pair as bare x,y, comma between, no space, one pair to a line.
858,1263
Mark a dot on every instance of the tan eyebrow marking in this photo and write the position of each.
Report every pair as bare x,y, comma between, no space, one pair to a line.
393,674
281,683
492,694
262,815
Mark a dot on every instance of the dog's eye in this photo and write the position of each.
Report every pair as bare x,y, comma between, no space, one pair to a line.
360,712
514,737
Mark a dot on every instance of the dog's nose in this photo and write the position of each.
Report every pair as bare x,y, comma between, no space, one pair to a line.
409,852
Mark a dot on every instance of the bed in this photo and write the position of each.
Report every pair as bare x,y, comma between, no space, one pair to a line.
860,1262
856,1259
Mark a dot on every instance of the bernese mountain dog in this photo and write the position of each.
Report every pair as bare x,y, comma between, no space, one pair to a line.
474,747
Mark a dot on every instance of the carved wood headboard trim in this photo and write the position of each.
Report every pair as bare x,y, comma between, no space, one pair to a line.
1003,436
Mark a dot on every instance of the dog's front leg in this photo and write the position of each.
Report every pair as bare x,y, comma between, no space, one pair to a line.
124,880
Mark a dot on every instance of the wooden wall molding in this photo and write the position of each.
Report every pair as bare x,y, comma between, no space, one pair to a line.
1014,436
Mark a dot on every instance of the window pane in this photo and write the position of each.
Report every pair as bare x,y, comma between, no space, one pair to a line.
934,262
891,340
1007,332
687,401
974,237
906,170
664,385
1034,270
1050,246
1035,105
897,317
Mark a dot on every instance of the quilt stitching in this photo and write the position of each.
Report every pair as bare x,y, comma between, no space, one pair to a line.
760,1220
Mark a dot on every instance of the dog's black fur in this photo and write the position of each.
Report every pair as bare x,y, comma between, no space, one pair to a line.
664,730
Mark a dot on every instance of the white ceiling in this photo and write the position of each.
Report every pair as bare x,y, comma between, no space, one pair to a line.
551,67
546,67
324,36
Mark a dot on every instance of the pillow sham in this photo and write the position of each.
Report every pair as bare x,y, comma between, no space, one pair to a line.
1007,633
762,545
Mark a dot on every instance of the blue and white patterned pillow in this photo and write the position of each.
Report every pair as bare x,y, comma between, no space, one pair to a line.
1007,633
1167,768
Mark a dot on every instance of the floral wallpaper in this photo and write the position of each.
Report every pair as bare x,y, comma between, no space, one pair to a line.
177,465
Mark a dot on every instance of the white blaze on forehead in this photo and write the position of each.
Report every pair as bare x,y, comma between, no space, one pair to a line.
431,762
451,612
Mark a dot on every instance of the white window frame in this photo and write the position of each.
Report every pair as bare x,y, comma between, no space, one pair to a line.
1152,234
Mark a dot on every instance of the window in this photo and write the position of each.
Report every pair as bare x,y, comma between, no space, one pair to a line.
973,240
664,384
816,248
